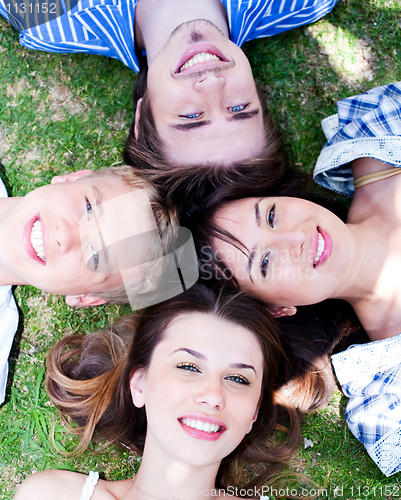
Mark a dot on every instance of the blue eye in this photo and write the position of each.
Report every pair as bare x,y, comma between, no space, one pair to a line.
271,216
88,208
191,116
264,264
188,367
95,256
236,109
238,379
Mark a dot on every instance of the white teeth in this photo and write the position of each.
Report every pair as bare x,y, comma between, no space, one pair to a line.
199,58
201,426
37,240
320,249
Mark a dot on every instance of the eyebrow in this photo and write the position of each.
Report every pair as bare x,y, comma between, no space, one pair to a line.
98,197
196,354
189,126
242,366
199,355
242,115
253,251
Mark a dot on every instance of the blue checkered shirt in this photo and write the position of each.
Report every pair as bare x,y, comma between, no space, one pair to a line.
370,376
106,27
367,125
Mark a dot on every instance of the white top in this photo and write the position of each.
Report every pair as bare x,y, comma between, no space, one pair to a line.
89,486
8,323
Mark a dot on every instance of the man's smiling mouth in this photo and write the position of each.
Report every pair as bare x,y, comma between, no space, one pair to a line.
197,59
37,240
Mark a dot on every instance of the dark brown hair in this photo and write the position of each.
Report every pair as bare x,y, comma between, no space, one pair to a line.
88,378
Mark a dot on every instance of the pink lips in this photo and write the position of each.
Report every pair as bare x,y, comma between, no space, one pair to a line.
205,436
197,49
328,247
27,240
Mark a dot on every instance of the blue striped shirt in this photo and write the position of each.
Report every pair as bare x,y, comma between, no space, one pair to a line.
106,27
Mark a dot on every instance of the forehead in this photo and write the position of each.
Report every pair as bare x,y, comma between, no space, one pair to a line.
212,336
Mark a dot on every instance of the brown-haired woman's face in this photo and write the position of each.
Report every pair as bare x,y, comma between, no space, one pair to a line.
202,389
293,252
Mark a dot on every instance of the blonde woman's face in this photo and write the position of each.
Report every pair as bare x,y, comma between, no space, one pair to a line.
201,390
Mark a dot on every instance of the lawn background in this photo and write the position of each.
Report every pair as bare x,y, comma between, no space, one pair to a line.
61,113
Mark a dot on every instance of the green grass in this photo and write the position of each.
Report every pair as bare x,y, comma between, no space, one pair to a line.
62,113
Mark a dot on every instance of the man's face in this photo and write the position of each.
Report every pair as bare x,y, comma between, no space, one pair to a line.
203,98
51,234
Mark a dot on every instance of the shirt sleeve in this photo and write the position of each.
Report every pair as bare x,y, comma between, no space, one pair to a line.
261,18
365,126
370,376
8,327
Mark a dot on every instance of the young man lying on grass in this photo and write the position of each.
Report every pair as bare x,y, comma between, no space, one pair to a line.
65,238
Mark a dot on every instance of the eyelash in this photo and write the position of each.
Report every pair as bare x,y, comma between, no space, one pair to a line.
264,263
242,106
88,208
95,255
271,216
238,379
189,367
195,116
192,116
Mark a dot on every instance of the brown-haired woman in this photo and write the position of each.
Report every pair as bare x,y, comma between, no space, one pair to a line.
196,393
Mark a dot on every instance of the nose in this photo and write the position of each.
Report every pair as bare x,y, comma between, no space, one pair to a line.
291,240
66,236
210,83
210,393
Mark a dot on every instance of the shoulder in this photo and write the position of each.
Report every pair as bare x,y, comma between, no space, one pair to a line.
66,485
51,483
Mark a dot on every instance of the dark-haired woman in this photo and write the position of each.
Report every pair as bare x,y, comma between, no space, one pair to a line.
196,393
291,252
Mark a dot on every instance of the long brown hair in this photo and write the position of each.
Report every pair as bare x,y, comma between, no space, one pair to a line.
88,378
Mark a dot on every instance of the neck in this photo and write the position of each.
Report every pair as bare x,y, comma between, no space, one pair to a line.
361,274
168,478
155,20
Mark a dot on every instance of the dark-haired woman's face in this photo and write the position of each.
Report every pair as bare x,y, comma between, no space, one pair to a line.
294,252
201,390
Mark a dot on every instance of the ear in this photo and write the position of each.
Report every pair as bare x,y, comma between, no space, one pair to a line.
136,387
137,115
70,177
253,420
279,312
84,300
